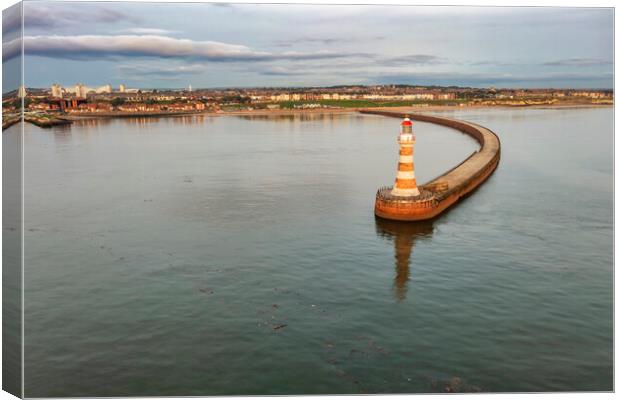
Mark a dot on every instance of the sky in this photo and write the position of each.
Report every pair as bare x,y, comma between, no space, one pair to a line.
173,45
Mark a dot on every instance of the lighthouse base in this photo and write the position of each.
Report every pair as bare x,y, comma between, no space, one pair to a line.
405,208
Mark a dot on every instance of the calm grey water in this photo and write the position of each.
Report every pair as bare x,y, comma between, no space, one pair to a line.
230,255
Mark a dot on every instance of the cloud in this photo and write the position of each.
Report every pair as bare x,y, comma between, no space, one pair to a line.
379,75
324,41
486,79
11,21
223,5
351,67
159,70
576,62
90,47
281,71
415,59
45,18
316,68
493,63
147,31
11,49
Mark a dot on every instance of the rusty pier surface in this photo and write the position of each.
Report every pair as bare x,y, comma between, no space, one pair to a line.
444,191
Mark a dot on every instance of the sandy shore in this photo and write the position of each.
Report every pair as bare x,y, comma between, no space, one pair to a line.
417,109
83,116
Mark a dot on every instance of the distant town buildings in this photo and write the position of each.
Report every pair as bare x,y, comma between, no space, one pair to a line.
593,95
262,97
79,90
56,91
105,99
82,91
104,89
21,92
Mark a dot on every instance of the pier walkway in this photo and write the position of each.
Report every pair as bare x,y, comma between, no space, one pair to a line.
463,178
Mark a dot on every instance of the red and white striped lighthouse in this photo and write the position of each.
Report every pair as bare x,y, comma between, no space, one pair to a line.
405,184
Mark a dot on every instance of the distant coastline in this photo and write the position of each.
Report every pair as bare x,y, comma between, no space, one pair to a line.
286,111
51,120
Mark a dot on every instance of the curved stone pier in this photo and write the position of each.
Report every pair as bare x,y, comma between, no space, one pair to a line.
445,190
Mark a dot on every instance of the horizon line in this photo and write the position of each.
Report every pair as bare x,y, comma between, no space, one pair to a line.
339,86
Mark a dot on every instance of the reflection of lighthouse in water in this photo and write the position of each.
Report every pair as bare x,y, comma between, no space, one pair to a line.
404,236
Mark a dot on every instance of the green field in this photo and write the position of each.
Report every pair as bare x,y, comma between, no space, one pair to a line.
367,103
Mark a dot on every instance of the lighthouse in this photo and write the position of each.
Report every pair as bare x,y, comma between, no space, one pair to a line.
405,201
405,185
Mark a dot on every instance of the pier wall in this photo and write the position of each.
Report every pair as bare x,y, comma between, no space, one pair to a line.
451,186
